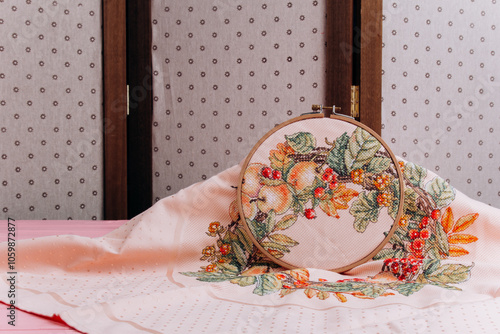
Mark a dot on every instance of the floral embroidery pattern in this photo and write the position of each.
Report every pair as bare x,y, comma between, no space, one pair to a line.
416,255
302,178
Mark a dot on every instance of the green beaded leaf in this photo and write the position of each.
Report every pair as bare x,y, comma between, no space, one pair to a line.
336,156
361,149
301,142
365,209
442,193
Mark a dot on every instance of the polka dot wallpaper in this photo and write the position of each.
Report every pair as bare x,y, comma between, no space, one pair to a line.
441,90
225,72
50,110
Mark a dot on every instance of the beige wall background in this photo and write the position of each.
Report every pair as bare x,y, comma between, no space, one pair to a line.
441,85
225,72
50,110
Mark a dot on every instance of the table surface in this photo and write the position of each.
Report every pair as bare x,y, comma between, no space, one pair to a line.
27,229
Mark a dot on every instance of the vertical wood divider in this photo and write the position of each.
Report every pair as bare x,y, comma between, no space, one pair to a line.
115,109
370,87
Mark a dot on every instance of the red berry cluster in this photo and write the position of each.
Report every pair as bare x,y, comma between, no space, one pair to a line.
419,236
404,269
269,173
310,213
330,178
225,249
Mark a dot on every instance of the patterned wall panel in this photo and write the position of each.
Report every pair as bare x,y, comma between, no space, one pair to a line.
50,109
225,72
441,90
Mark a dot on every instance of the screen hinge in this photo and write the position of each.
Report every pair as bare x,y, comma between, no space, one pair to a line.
355,102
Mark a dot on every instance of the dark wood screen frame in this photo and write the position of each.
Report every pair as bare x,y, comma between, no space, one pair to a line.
354,57
140,118
114,109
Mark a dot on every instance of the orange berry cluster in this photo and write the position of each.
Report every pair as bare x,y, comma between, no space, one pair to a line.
382,181
358,176
384,199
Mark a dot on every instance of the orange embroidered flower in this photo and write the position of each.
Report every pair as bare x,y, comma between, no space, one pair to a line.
208,251
401,166
322,280
213,227
281,156
301,284
281,276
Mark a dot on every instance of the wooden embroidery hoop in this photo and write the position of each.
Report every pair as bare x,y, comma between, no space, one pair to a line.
343,121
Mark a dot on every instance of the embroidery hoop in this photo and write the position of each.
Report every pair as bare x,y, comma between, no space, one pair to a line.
326,242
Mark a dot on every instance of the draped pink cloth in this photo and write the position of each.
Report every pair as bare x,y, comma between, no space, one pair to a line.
166,271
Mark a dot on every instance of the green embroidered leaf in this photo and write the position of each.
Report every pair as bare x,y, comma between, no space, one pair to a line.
286,169
228,268
365,209
385,253
301,142
285,292
445,286
393,209
267,284
244,239
297,205
411,197
442,240
450,274
244,280
283,240
442,193
431,266
257,228
209,276
270,221
372,290
285,222
378,165
239,254
336,156
407,289
415,174
272,245
361,149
